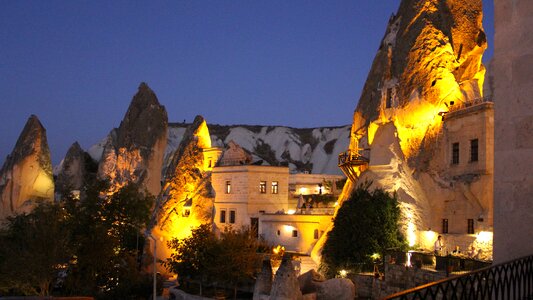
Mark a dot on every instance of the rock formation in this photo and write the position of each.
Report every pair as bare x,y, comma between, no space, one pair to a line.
74,170
263,283
309,281
26,175
134,151
286,286
336,289
422,95
186,200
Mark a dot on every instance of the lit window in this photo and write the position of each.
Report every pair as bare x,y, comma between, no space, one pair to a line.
444,225
232,217
470,226
222,216
274,187
228,187
263,187
315,234
473,150
455,153
295,233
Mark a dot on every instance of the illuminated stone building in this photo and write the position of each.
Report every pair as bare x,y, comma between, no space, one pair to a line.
292,210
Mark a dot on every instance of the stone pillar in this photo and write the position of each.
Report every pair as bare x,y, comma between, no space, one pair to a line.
513,158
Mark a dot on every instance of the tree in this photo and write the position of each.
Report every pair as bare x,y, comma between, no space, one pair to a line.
230,259
237,259
106,236
193,257
366,223
35,247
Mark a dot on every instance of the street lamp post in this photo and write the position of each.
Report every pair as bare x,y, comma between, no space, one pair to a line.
149,235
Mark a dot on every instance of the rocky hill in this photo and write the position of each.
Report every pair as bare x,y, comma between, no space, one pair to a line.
422,96
313,150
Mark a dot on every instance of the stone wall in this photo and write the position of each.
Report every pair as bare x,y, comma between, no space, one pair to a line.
513,90
397,278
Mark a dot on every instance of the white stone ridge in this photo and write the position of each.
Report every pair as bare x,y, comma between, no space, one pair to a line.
280,139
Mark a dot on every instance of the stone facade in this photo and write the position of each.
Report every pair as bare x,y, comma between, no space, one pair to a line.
513,87
297,232
239,192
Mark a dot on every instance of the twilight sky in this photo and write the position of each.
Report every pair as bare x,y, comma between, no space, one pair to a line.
77,64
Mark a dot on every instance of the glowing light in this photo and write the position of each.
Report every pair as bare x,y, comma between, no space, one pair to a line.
428,238
303,191
278,249
288,228
375,256
336,204
291,211
343,273
484,237
408,261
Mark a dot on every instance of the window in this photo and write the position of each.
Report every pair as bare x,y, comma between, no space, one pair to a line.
444,225
279,232
388,103
473,150
228,187
263,187
274,187
315,234
295,233
470,226
222,216
209,162
186,212
232,217
455,153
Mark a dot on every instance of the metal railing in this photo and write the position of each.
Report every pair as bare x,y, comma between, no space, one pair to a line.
469,103
352,157
511,280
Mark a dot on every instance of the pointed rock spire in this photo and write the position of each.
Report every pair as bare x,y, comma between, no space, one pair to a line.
26,175
134,152
74,169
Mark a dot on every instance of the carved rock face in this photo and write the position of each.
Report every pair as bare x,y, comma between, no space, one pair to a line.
26,175
187,200
134,152
430,57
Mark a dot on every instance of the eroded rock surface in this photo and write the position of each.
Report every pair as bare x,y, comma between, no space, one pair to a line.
26,175
134,151
187,199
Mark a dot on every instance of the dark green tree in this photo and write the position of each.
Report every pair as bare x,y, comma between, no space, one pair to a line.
35,247
106,232
366,223
237,259
194,257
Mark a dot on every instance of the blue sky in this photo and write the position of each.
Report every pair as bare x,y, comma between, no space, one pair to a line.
77,64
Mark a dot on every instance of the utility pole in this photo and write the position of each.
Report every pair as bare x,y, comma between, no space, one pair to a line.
149,235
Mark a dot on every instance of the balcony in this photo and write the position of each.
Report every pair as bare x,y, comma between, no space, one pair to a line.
352,163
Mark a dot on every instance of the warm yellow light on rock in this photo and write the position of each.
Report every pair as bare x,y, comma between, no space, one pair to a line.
411,230
204,139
